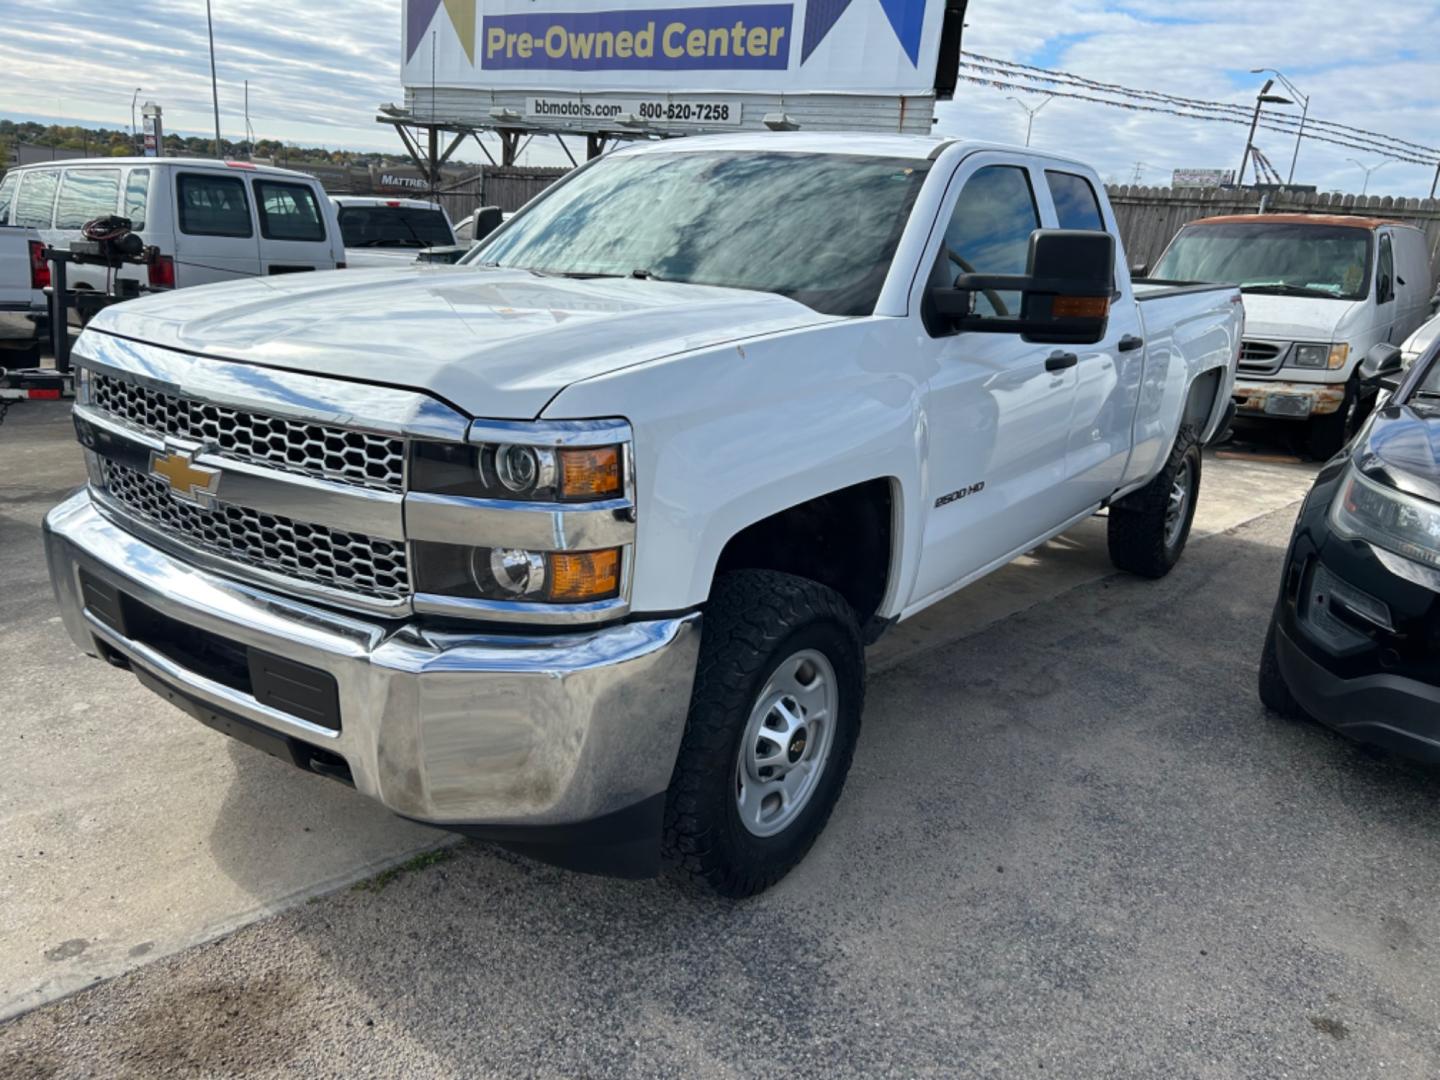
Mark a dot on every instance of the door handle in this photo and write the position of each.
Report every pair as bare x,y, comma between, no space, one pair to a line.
1059,361
1129,343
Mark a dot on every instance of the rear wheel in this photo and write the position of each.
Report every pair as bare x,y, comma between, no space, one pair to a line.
1148,530
773,722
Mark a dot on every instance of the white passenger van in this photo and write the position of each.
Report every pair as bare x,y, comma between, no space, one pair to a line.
211,220
1319,290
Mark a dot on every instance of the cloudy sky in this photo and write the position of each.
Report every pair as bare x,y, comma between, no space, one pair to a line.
317,71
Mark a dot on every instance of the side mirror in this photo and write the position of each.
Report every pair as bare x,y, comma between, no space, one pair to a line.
1065,291
1382,365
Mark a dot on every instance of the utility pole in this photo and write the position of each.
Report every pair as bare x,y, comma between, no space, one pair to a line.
1139,171
1436,182
214,85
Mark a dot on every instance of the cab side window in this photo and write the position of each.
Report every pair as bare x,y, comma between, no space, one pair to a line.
35,205
213,205
1076,206
1385,273
989,233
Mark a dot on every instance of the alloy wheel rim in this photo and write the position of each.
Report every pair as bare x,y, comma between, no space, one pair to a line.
786,745
1178,506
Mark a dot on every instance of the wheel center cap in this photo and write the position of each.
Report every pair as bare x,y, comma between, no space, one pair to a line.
797,746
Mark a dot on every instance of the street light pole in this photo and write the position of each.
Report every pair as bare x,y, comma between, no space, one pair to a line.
1304,113
214,85
1261,99
134,98
1368,170
1030,122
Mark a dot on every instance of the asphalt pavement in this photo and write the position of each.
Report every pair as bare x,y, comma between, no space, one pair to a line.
1072,845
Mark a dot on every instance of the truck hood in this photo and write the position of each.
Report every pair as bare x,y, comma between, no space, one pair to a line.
494,343
1298,318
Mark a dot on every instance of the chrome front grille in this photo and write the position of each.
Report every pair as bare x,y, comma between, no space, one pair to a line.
318,450
1260,357
350,562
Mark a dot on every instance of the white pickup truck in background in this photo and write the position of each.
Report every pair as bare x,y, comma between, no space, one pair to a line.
577,545
24,276
390,232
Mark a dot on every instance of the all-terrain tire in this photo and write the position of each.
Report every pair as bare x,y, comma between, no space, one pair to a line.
755,621
1274,691
1145,538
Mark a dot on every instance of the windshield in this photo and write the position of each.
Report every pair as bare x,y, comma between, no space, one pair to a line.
393,226
818,228
1269,257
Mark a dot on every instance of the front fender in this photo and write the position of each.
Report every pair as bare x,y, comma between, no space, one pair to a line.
726,437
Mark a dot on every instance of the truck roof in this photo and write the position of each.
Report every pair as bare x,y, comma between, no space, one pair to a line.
862,144
382,200
1344,220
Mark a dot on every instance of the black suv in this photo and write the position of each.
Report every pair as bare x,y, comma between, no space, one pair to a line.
1355,638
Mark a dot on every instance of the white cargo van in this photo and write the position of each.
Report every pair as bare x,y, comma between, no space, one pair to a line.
1320,290
211,220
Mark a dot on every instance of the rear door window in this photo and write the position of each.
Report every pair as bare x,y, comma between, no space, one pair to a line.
7,196
86,194
288,211
35,205
137,197
213,205
1076,206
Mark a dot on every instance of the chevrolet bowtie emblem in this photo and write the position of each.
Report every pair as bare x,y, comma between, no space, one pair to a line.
188,481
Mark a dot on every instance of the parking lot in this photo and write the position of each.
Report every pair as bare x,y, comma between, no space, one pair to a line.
1072,844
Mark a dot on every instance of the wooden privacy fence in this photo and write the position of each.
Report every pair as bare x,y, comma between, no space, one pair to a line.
495,185
1150,217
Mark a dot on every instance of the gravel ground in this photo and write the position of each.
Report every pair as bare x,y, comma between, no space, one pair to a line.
1071,845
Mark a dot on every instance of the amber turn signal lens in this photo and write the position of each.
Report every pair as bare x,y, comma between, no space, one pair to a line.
590,474
577,576
1080,307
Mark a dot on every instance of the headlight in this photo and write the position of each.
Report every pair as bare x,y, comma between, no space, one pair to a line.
517,472
1389,519
546,577
1320,357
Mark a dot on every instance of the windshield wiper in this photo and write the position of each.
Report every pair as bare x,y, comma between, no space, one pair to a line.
1280,288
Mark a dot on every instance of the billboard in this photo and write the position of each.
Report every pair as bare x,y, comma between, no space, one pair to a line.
638,54
1202,178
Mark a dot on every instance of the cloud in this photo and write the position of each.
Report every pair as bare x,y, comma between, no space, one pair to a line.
317,71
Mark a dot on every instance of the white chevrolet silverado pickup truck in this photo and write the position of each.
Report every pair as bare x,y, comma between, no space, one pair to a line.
577,545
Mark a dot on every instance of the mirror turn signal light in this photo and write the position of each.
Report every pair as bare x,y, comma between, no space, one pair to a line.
577,576
592,473
1080,307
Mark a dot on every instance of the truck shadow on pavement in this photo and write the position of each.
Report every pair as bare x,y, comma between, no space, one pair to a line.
1072,844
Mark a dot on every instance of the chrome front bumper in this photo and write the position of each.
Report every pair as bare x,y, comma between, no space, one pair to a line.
456,729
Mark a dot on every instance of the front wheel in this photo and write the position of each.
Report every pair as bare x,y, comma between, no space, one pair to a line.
1328,434
773,721
1148,530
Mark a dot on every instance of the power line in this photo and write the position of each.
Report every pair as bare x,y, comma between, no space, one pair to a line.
1051,75
1193,108
1265,122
